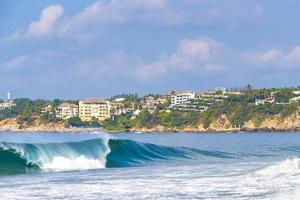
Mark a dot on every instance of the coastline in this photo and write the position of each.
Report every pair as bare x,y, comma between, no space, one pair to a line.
222,125
71,130
153,130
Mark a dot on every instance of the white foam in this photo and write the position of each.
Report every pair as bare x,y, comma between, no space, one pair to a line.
290,166
60,163
71,161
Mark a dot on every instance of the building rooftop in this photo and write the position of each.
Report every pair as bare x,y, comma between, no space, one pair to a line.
71,105
93,101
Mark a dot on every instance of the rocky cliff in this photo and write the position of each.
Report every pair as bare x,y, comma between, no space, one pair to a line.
222,124
37,126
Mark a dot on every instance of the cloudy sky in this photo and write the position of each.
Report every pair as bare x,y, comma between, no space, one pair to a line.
87,48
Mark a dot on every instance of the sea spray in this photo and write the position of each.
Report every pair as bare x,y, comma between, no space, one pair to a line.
89,158
290,166
60,163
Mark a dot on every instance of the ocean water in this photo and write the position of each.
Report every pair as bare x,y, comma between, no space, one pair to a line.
149,166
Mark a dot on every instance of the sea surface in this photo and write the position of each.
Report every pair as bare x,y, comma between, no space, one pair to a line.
149,166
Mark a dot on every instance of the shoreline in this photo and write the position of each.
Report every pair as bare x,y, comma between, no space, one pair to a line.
137,131
71,130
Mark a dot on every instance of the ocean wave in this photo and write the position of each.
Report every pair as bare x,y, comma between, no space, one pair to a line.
97,153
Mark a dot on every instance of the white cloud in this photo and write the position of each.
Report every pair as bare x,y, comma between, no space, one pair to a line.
293,57
152,4
47,24
269,56
163,12
191,54
274,58
48,19
97,17
16,63
101,13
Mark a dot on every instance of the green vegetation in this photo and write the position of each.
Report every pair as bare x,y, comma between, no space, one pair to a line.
77,122
237,108
149,120
28,111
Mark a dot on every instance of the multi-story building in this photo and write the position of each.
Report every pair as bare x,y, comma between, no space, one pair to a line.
181,98
117,108
94,108
67,110
149,103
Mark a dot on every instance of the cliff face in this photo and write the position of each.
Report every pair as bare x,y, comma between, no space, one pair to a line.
37,126
272,123
222,124
277,122
9,124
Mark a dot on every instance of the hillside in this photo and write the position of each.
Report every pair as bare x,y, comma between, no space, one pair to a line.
276,109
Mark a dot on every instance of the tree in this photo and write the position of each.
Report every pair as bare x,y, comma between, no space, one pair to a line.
76,122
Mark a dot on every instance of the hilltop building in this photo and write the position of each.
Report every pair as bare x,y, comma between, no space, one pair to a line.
121,99
260,102
149,103
270,99
295,99
181,98
90,109
47,110
8,103
117,108
297,92
67,110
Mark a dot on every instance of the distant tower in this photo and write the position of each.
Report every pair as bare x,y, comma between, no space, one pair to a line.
8,96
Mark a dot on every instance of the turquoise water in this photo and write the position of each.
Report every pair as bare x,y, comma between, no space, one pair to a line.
149,166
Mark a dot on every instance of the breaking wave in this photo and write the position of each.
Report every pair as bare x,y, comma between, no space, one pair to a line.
90,154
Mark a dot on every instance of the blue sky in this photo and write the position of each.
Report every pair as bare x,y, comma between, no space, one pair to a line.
66,49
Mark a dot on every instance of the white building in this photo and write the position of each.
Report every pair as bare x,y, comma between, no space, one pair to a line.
8,104
182,98
47,110
119,99
295,99
66,110
260,102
